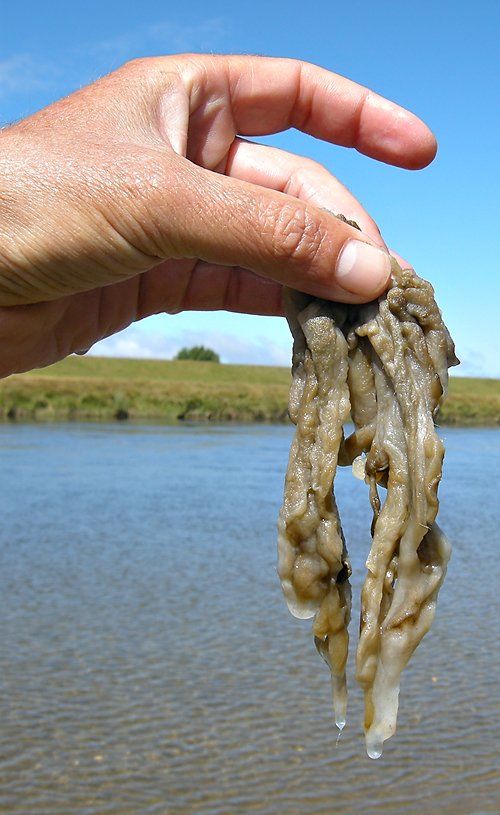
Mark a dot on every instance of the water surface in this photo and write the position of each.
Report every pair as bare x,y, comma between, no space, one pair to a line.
148,664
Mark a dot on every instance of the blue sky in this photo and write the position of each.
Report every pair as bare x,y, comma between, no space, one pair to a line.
439,59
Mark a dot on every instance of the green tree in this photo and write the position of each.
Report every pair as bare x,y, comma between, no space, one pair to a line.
198,352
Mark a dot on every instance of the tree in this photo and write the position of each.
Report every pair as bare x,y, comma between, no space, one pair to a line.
198,352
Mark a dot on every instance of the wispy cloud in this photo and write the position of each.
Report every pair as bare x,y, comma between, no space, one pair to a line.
203,36
473,362
162,37
142,342
139,342
23,73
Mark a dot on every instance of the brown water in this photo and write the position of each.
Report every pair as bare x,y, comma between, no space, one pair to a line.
148,664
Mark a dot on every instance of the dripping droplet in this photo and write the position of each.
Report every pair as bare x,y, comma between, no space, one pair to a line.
340,722
339,701
374,746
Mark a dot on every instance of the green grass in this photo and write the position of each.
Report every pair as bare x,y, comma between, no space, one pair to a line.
155,370
99,388
472,401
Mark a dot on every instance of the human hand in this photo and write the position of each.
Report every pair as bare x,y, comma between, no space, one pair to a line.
137,195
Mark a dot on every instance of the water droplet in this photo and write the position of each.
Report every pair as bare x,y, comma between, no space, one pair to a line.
340,722
340,726
374,746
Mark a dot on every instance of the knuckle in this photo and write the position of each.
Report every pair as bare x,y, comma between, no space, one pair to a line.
150,76
138,65
305,174
297,236
315,166
144,66
145,72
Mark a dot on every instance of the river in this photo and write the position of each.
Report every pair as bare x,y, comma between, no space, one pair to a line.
149,666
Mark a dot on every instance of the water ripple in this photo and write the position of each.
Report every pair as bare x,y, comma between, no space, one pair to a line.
148,663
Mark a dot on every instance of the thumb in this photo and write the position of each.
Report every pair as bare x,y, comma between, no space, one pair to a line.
233,223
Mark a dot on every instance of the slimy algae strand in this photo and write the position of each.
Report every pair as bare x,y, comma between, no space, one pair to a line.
384,366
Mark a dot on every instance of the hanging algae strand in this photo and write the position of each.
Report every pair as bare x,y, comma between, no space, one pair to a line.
384,366
313,563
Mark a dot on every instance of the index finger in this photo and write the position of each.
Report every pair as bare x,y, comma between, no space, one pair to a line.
269,95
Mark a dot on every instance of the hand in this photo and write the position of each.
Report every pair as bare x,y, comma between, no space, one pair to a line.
136,195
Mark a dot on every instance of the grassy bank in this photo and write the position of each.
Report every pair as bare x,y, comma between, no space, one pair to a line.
103,389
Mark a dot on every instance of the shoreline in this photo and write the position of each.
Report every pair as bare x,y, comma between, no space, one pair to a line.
99,389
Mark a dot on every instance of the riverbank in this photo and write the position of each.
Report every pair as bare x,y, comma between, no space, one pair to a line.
102,389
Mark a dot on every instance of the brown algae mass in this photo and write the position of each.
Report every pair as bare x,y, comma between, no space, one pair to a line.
383,366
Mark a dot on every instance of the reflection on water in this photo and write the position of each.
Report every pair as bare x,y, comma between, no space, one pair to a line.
148,663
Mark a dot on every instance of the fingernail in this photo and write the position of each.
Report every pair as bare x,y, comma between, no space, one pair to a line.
362,269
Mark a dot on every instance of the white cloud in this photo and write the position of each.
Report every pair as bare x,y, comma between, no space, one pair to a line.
145,340
139,342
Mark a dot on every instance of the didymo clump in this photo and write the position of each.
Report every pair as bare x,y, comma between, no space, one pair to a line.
383,366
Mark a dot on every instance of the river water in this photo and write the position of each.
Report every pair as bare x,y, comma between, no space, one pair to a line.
148,664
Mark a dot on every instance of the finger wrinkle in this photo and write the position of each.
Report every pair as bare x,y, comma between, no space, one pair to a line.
197,85
256,294
235,80
294,184
303,103
186,294
231,296
140,299
230,156
61,340
356,121
183,294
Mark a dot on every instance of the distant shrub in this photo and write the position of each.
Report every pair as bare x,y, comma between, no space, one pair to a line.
198,352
